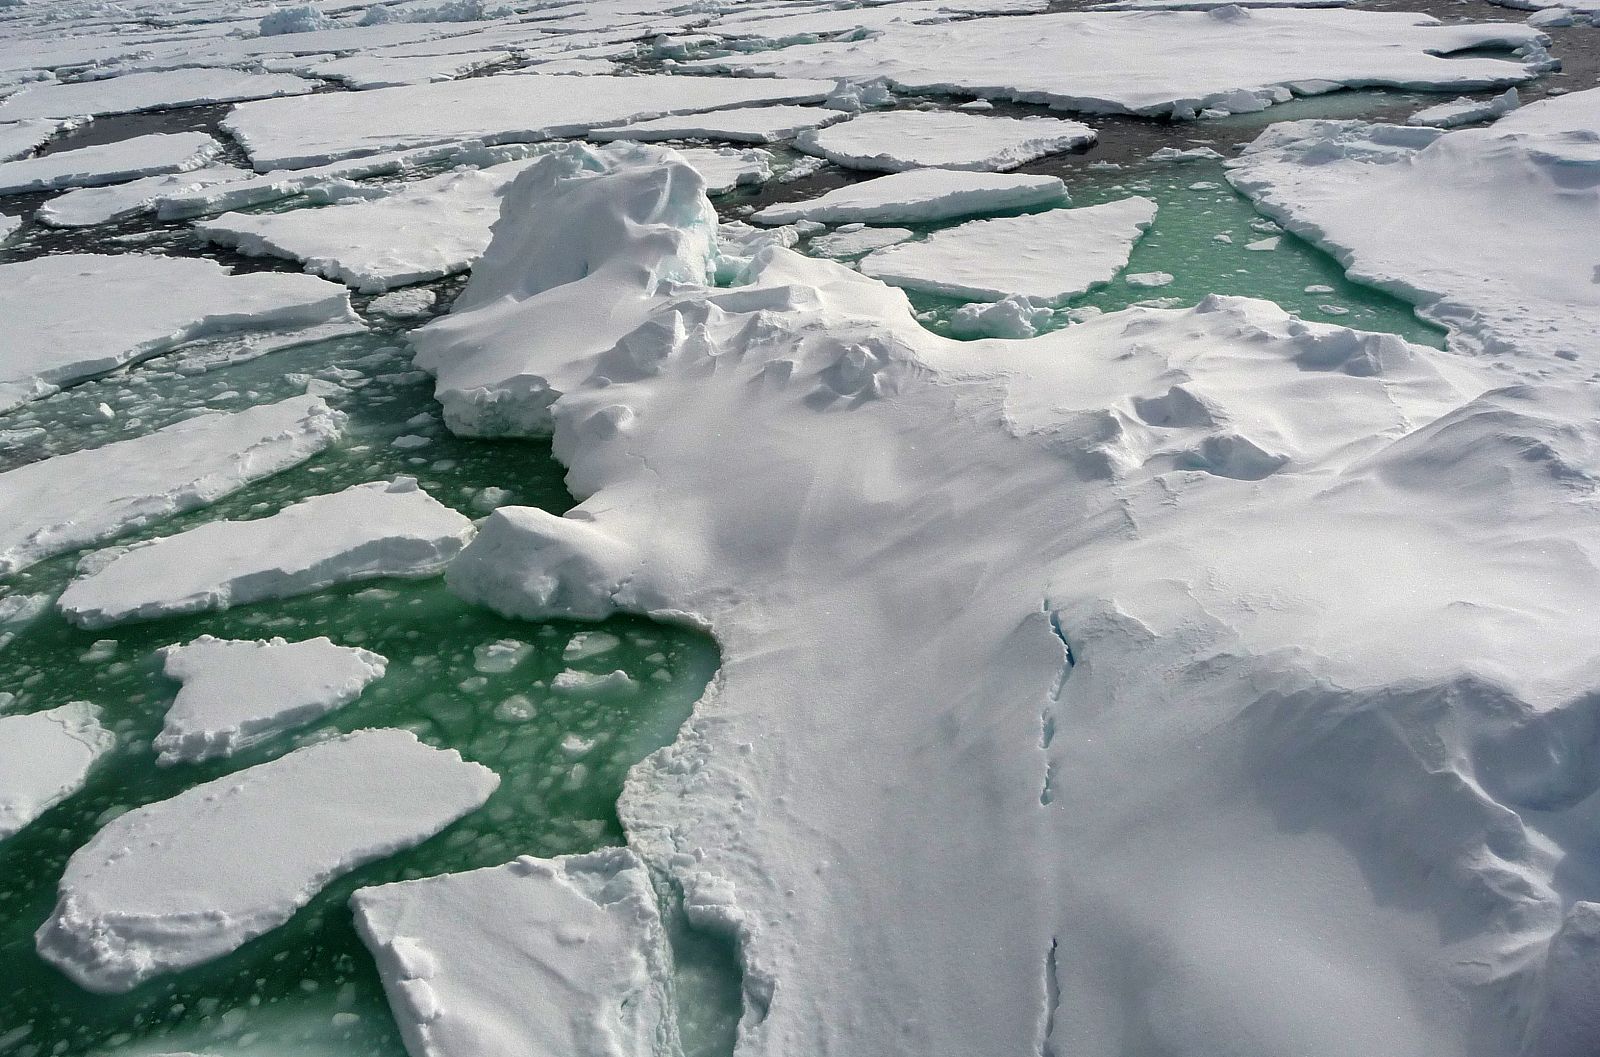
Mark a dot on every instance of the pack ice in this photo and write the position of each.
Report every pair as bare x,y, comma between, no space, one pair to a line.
896,140
921,195
179,882
744,124
109,163
383,528
45,757
71,316
1255,718
238,693
545,956
85,497
147,91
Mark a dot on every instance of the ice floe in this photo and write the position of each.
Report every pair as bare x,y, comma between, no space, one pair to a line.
239,692
546,956
896,140
88,206
727,168
86,497
72,316
921,195
366,72
179,882
852,240
19,138
1466,111
45,757
129,159
147,91
1048,257
368,530
745,124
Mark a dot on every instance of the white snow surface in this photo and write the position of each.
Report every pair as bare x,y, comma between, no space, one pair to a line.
921,195
852,240
896,140
148,91
129,159
1465,111
72,316
1163,63
19,138
238,693
726,168
369,71
744,124
383,528
86,497
8,224
45,757
539,956
182,881
1488,231
88,206
1180,681
311,130
1049,257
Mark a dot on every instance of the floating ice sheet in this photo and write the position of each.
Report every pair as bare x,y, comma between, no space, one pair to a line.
921,195
147,91
896,140
745,124
45,757
129,159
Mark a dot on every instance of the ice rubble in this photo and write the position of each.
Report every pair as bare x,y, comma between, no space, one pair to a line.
1256,713
88,206
1049,257
383,528
1488,231
86,497
310,130
1162,63
162,152
238,693
921,195
45,757
1465,111
539,956
71,316
147,91
179,882
745,124
896,140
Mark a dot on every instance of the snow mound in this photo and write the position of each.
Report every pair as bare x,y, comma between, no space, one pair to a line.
179,882
923,195
897,140
45,757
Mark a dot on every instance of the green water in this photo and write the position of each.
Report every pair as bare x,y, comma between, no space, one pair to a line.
309,988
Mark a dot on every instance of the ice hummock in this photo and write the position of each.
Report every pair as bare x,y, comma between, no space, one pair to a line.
45,757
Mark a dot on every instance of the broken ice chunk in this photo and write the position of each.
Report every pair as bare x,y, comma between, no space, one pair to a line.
45,757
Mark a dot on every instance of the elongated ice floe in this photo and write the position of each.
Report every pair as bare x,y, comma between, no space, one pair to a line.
88,206
1256,717
238,692
72,316
921,195
89,496
384,528
852,240
161,152
896,140
147,91
744,124
1049,256
19,138
539,956
1489,232
179,882
45,757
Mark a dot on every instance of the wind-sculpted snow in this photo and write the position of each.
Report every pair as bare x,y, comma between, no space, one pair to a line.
1489,232
1183,681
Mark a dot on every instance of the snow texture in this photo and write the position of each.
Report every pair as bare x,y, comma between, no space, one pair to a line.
921,195
179,882
366,531
897,140
45,757
745,124
238,693
129,159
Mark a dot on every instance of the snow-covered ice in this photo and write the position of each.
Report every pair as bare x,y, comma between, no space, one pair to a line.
896,140
852,240
921,195
148,91
240,692
86,497
1049,257
45,757
727,168
745,124
369,71
19,138
179,882
539,956
367,530
72,316
88,206
403,304
129,159
1466,111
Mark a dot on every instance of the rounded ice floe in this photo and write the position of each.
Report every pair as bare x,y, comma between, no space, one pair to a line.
182,881
897,140
921,195
238,693
1047,256
45,757
744,124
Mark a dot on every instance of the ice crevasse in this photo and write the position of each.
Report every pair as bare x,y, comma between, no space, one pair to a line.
1188,680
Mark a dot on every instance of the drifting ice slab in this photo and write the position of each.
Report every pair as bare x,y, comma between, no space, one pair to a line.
238,693
88,206
897,140
180,882
725,168
921,195
368,530
18,138
129,159
45,757
148,91
745,124
539,956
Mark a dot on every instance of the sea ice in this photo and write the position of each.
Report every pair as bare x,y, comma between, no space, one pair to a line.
1048,257
1466,111
179,882
238,693
20,138
921,195
368,530
403,304
852,240
540,956
727,168
147,91
369,71
896,140
45,757
88,206
109,163
86,497
745,124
